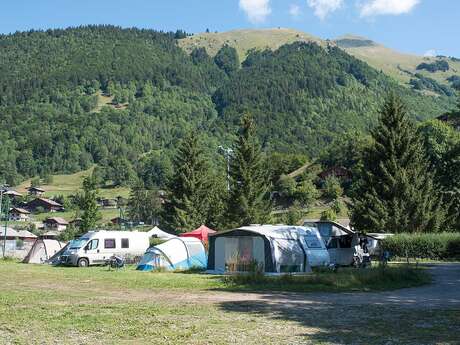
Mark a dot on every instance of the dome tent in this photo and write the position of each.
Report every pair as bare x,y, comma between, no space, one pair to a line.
43,250
175,254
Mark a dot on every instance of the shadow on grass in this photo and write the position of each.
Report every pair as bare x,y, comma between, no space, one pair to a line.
425,315
327,322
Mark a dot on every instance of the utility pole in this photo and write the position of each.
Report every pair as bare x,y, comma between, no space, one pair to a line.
228,153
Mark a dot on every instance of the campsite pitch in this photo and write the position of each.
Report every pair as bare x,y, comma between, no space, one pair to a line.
48,305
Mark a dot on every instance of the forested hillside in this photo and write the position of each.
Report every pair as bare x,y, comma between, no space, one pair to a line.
301,95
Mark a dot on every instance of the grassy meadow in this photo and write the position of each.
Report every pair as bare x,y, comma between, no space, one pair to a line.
46,305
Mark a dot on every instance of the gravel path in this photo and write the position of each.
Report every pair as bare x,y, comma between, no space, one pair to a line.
444,292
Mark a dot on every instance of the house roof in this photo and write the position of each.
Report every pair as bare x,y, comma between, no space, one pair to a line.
9,232
38,189
49,202
51,234
57,220
12,192
19,210
26,234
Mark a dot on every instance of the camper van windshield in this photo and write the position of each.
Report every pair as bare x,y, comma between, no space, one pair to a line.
77,244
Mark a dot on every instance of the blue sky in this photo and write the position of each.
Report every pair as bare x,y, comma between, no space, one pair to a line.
415,26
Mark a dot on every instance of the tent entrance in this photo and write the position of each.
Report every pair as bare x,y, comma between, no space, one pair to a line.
239,254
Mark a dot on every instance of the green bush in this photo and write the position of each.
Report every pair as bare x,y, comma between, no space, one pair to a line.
440,246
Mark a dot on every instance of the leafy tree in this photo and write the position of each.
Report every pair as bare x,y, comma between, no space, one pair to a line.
189,188
287,186
155,169
227,59
48,179
89,206
248,200
35,182
294,214
332,189
328,214
121,172
395,191
450,179
306,193
68,234
144,205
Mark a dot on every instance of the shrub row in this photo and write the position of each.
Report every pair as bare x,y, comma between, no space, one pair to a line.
439,246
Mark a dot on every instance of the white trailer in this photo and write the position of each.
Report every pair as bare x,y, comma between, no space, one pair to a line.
95,247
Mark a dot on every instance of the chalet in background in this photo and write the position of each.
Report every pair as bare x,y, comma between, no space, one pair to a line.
36,191
18,214
336,171
12,194
47,205
55,223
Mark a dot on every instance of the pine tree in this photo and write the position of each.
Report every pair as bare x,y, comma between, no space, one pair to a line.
395,191
89,205
189,201
248,200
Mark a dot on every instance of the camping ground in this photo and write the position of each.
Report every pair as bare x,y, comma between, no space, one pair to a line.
44,304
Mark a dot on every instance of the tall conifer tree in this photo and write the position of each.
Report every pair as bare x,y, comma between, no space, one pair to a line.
189,200
395,191
248,199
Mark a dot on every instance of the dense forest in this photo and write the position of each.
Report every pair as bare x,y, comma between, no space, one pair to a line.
52,120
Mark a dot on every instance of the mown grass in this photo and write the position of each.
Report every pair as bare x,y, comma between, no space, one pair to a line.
49,305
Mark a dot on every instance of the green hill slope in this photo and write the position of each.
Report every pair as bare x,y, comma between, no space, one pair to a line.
245,40
122,98
398,65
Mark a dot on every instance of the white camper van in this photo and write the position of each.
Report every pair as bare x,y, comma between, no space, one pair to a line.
95,247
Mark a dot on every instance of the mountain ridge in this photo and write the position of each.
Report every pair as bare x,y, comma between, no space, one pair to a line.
400,66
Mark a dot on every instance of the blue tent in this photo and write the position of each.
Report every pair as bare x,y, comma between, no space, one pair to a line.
175,254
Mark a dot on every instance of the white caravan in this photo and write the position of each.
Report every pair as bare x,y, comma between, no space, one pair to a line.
95,247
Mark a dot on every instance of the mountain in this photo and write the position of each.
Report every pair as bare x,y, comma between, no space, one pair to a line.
400,66
54,84
245,40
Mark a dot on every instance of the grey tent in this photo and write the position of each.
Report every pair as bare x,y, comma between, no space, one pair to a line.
274,248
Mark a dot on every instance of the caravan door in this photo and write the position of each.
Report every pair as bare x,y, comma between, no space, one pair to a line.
93,252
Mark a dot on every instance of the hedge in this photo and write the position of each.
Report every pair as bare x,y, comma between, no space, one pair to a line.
436,246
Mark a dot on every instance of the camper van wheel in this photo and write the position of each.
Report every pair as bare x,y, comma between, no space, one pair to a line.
83,262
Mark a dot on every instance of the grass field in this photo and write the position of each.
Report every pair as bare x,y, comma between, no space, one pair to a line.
71,184
49,305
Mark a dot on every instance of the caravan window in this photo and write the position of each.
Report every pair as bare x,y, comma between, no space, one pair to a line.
125,243
345,241
109,243
332,244
312,242
93,244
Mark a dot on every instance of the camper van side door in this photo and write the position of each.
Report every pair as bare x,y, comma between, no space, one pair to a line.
92,251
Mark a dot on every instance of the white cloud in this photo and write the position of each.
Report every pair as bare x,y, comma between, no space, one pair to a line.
322,8
294,10
372,8
430,53
256,10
